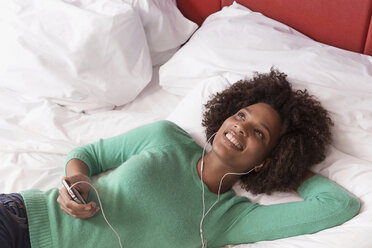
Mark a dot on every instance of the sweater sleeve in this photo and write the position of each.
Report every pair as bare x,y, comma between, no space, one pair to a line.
324,205
109,153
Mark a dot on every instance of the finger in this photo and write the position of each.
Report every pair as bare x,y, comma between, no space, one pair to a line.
74,209
82,211
65,197
85,214
76,213
90,210
67,202
67,211
61,198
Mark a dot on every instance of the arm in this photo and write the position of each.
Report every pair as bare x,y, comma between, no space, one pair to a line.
110,153
92,159
89,160
324,205
76,166
308,175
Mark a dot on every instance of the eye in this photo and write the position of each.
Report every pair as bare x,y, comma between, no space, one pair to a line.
241,115
260,134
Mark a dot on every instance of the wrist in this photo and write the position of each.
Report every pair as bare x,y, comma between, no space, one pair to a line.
76,167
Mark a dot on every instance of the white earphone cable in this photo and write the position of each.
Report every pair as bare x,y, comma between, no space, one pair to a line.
202,185
103,213
204,242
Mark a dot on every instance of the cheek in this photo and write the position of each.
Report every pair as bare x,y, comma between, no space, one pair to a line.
256,152
218,145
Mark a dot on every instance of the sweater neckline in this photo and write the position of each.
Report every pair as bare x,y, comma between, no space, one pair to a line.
195,175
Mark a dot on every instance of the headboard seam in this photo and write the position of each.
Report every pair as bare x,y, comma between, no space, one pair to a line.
367,48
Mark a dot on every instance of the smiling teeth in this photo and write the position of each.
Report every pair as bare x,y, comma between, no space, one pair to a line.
230,137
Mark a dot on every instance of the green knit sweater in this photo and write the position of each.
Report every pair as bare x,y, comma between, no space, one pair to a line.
153,198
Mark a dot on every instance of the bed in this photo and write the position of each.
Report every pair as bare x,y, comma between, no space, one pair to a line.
75,71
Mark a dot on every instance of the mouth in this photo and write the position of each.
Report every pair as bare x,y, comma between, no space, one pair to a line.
232,141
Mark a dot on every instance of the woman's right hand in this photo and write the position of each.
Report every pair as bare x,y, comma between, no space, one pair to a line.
80,211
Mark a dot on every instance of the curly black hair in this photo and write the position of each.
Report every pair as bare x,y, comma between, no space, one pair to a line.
305,133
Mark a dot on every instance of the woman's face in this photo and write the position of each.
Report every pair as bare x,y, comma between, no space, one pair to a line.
246,138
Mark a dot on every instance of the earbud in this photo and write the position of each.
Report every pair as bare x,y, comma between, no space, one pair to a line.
259,166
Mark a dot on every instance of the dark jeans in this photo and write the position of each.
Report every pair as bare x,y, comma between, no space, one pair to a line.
13,222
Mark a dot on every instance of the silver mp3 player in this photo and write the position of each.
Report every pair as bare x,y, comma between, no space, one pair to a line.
75,195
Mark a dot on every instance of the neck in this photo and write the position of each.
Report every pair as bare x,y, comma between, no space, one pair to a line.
213,171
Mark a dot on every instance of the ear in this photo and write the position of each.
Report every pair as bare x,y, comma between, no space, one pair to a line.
264,164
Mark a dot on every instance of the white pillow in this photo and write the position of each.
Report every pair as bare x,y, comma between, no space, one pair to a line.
237,41
241,41
188,114
86,55
165,27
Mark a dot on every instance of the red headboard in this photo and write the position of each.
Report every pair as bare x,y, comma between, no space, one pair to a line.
345,24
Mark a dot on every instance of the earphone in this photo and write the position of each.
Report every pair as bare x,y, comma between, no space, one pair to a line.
100,204
258,166
204,214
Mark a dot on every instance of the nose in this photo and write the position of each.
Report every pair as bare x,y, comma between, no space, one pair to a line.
240,129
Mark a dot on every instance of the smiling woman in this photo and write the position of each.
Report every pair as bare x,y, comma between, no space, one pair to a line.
243,142
288,130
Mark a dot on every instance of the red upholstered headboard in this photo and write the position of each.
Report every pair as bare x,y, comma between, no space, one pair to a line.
345,24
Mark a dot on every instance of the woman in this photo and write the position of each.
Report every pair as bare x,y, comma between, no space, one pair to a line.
165,193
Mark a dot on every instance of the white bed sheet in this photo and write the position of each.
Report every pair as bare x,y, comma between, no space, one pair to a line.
36,135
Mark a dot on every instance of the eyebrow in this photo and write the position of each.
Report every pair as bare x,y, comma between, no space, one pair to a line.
262,124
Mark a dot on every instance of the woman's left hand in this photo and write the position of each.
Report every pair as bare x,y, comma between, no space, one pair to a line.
80,211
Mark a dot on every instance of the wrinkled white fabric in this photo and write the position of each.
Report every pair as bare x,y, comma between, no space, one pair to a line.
85,55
